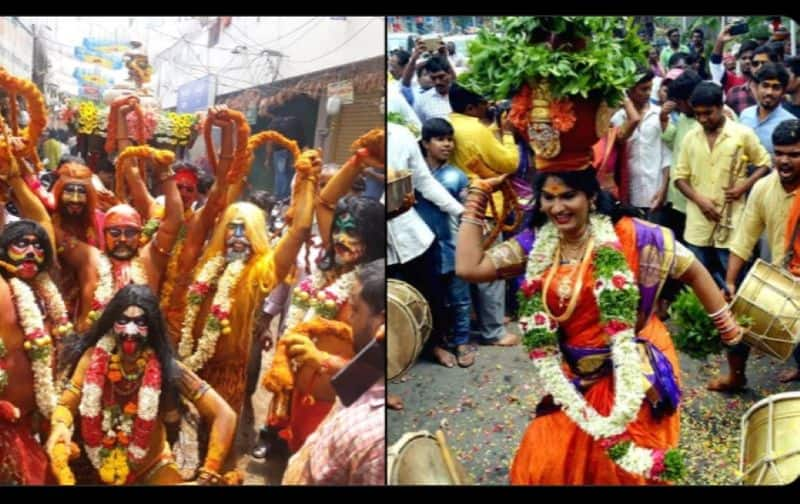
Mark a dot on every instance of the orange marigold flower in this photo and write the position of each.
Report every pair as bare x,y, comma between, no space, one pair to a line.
109,442
130,408
562,115
114,375
123,438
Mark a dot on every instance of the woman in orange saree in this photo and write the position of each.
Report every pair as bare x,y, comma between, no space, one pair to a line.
611,373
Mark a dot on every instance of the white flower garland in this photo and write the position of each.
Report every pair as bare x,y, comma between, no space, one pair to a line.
628,389
104,289
305,310
217,321
38,344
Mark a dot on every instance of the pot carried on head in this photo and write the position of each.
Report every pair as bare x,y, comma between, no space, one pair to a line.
409,325
770,297
770,446
420,458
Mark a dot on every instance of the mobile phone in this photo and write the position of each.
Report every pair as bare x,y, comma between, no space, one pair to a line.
738,29
367,367
432,44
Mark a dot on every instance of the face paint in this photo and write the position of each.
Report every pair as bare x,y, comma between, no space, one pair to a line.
237,246
131,328
74,198
27,254
122,242
347,249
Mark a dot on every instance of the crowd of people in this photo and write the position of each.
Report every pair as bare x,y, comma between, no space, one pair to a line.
136,305
697,175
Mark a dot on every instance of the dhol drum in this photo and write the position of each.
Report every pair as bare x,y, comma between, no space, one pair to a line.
770,298
420,458
409,325
770,446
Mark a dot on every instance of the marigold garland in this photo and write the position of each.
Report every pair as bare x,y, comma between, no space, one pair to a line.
113,438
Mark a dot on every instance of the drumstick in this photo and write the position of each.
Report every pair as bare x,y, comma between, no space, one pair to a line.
448,459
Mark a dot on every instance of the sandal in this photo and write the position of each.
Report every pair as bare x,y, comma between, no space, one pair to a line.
465,355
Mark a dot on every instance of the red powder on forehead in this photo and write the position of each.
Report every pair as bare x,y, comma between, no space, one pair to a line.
186,177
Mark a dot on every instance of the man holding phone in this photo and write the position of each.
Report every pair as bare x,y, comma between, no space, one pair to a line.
348,446
726,78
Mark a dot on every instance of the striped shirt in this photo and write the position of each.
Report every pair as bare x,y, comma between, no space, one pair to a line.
348,447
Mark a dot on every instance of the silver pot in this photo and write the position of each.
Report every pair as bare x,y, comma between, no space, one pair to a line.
396,190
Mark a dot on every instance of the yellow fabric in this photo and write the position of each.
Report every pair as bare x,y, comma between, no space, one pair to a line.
767,207
476,146
707,171
683,259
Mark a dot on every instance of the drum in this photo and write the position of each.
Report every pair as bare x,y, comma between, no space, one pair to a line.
770,297
770,447
409,325
420,458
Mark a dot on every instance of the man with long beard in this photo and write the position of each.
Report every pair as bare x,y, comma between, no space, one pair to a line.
218,323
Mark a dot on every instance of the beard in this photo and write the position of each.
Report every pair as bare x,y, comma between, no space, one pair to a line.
122,252
237,249
72,210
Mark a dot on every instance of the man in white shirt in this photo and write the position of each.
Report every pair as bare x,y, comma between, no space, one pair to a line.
408,241
648,157
435,102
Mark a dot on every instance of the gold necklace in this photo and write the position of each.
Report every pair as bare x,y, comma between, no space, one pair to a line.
565,290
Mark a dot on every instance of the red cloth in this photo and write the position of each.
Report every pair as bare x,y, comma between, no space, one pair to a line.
304,420
23,460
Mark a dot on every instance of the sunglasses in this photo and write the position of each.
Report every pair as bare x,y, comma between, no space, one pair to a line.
128,232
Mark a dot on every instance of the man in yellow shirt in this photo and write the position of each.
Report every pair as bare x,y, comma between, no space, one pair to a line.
767,208
478,153
712,173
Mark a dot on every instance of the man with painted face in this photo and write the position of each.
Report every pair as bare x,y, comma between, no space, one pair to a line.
217,329
196,225
123,260
31,309
353,231
125,381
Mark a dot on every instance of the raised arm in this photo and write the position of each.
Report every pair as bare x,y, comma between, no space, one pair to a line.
142,200
160,247
202,221
307,168
340,184
473,264
29,204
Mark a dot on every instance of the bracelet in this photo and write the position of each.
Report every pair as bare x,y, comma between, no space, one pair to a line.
718,312
167,253
62,415
472,220
207,475
480,185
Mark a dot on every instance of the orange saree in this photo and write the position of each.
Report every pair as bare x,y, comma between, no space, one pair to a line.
556,451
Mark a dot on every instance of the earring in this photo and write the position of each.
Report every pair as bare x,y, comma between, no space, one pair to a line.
592,206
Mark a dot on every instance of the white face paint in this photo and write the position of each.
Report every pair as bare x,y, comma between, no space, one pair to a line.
131,329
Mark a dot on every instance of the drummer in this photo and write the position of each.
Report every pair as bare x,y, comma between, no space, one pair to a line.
774,206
